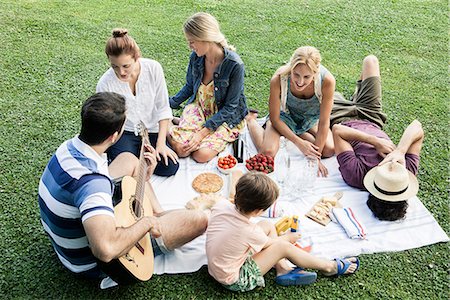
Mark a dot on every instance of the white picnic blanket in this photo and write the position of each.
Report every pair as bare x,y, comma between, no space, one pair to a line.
418,229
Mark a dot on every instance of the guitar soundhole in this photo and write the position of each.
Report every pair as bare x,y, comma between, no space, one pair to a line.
137,210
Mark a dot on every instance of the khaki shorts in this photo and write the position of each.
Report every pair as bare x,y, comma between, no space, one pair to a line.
365,104
249,277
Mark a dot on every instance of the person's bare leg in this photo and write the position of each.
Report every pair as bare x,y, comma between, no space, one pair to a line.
328,148
271,142
283,249
282,266
370,67
255,130
204,155
181,226
125,164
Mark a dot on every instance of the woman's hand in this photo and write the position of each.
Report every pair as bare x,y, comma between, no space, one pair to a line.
193,143
308,148
321,169
164,152
150,158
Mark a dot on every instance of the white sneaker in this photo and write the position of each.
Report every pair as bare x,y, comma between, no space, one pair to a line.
107,283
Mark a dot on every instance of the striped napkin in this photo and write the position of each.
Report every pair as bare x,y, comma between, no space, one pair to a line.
274,211
347,219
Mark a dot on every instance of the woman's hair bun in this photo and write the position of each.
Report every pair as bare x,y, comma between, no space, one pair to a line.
119,32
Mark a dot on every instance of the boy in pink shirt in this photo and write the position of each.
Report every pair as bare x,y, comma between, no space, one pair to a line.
240,252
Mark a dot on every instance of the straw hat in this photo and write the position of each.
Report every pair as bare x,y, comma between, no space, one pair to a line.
391,182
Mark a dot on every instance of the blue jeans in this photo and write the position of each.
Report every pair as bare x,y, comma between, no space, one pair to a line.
132,143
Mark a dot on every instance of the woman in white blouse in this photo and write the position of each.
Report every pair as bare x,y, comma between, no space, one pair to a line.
141,81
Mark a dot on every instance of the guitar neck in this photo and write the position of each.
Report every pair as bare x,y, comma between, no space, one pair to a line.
140,184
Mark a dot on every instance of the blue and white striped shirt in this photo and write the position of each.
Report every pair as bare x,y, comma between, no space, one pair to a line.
75,186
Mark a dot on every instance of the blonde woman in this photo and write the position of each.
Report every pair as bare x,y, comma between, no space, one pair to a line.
300,103
214,90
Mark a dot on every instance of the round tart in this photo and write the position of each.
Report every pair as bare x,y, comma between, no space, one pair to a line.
207,183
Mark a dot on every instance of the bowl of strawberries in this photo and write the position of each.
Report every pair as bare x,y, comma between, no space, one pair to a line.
261,163
226,164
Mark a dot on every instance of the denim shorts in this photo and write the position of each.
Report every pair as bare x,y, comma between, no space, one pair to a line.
158,246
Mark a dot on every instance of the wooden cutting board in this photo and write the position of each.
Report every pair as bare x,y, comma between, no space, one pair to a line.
322,208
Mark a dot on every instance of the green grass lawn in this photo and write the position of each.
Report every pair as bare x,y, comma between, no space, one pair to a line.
52,54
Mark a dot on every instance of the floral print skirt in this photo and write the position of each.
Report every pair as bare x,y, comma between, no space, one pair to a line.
194,117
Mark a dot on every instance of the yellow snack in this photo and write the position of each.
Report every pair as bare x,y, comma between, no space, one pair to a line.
283,225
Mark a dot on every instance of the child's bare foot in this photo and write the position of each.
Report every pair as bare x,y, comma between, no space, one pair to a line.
344,266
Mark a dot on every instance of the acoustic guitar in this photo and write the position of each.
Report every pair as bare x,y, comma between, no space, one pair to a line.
137,264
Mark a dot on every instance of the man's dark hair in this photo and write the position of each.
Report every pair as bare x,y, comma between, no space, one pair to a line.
387,210
255,191
102,115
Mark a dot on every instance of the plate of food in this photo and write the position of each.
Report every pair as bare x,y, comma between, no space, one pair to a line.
207,183
260,163
227,164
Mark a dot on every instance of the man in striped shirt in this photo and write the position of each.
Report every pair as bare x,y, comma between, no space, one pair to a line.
75,195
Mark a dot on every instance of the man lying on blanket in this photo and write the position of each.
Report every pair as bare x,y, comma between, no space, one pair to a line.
366,155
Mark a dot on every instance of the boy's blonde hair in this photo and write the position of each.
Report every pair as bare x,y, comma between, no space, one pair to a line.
307,55
255,191
204,27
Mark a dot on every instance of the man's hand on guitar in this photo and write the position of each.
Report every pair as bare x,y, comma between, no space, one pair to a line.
155,230
150,157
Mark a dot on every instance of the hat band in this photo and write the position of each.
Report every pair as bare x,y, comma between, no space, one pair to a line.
389,193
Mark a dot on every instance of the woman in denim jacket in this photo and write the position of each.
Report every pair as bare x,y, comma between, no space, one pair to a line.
216,106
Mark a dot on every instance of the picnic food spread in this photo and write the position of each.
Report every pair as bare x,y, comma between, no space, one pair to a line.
204,201
207,183
260,162
320,212
226,162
